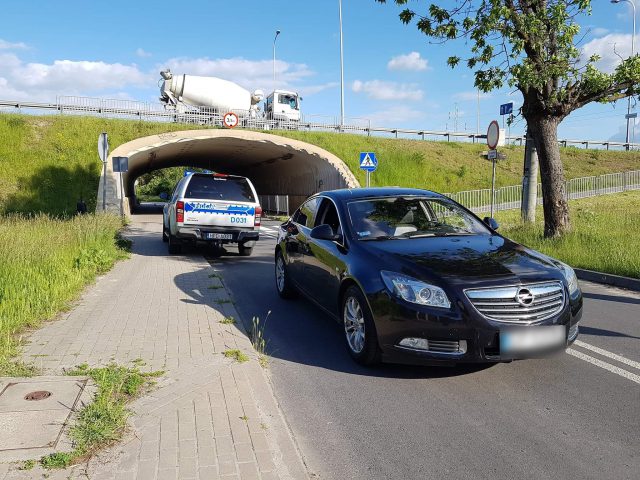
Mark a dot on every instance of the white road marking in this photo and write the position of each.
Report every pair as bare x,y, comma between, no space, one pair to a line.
607,366
606,353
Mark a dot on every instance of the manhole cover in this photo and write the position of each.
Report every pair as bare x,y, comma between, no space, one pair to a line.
39,395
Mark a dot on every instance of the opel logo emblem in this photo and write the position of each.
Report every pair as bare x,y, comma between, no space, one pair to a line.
524,297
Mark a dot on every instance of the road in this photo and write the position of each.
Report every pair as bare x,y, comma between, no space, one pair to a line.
574,416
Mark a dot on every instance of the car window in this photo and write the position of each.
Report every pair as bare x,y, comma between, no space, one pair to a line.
402,217
305,215
328,215
208,187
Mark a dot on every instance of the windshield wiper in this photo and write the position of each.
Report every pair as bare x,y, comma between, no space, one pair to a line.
416,234
379,237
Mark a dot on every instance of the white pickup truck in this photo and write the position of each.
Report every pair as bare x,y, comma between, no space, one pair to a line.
212,208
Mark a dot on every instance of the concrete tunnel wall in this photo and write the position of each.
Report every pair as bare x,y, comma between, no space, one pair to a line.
275,165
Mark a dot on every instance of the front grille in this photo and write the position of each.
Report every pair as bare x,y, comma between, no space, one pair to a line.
523,304
446,346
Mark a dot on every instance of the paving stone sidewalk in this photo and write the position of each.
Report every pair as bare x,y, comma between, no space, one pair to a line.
209,417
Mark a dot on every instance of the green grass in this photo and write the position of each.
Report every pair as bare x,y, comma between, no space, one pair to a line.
451,166
44,264
605,236
228,321
102,422
48,162
236,355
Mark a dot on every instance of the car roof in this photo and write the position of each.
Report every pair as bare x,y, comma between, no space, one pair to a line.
347,194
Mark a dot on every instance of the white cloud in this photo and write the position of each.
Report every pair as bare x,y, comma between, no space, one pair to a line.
41,81
611,48
395,116
313,89
142,53
383,90
470,95
4,45
599,31
411,61
251,74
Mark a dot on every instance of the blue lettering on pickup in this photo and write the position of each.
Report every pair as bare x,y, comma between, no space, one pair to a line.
206,207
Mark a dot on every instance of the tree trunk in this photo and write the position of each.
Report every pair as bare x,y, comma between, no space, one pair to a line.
544,131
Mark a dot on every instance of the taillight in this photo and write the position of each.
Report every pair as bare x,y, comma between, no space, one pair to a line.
179,211
258,217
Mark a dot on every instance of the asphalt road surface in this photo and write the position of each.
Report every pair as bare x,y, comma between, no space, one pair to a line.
573,416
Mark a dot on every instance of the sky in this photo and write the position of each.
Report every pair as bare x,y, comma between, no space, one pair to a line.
393,75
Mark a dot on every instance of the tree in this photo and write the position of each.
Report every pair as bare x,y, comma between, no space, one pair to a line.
531,45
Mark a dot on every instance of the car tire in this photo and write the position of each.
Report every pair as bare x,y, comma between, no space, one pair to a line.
361,337
165,235
244,251
283,283
174,245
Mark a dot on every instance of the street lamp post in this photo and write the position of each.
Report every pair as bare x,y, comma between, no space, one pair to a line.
633,42
274,58
341,68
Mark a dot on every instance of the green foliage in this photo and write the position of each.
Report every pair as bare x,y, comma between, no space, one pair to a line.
529,45
103,421
236,355
27,465
228,321
44,264
605,237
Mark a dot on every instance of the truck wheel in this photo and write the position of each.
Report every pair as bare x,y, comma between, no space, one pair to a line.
244,251
165,234
174,245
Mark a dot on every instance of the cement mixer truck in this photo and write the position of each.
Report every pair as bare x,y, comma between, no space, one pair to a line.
212,94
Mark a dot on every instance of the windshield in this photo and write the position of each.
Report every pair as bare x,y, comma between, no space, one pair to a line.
219,188
410,217
290,100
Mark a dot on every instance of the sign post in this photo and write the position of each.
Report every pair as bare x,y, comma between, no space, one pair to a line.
103,153
368,163
121,164
493,137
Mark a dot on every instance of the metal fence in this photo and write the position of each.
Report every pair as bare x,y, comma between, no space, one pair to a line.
209,116
510,198
506,198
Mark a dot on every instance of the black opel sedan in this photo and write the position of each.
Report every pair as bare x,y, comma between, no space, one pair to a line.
414,277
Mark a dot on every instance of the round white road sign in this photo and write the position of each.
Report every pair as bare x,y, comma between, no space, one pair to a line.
230,120
493,135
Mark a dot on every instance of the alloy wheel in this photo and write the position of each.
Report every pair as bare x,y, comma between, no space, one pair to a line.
354,324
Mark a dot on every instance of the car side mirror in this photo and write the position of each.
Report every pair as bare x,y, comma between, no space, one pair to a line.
491,223
324,232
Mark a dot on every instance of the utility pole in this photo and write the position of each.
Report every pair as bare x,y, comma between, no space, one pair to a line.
633,43
341,67
274,61
529,181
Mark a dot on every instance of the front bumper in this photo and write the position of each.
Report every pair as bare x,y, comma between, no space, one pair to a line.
199,234
478,337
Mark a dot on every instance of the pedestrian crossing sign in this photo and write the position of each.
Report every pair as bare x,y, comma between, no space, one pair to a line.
368,161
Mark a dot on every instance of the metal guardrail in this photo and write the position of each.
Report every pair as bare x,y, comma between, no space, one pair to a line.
309,122
510,197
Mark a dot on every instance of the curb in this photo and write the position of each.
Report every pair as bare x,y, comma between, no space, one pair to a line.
608,279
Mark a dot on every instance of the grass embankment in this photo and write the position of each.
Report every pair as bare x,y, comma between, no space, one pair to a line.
48,162
44,264
104,421
605,236
453,167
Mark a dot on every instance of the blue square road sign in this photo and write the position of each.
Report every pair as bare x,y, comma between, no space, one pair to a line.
368,161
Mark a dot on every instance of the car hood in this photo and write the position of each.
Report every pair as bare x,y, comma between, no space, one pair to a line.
464,259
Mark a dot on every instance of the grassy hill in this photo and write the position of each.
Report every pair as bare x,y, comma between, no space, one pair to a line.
48,162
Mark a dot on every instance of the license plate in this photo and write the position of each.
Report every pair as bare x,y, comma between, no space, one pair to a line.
529,341
218,236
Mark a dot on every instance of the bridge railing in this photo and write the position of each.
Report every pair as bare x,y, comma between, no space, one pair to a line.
209,116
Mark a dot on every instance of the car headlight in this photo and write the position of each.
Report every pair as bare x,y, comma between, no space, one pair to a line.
570,276
415,291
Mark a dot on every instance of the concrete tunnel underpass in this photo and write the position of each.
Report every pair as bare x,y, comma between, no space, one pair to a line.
276,165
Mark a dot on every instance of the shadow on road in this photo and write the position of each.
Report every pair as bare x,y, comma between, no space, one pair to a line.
612,298
600,332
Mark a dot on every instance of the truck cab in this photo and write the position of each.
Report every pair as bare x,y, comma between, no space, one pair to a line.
283,105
